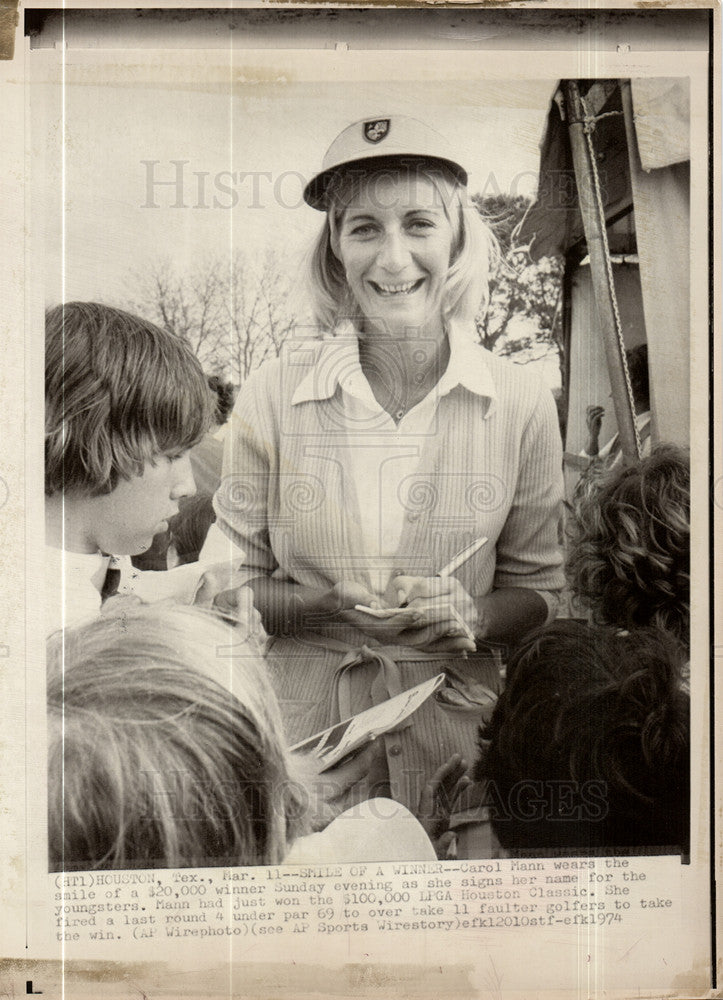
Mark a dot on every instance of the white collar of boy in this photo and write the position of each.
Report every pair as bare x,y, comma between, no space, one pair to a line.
337,364
85,563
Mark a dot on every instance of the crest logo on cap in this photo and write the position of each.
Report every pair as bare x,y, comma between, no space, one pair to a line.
375,131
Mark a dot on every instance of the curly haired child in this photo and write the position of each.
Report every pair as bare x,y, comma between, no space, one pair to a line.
588,748
629,544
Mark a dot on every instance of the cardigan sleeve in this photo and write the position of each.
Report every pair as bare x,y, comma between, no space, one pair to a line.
528,549
242,500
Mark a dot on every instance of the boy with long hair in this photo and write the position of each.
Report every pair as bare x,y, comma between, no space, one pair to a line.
124,403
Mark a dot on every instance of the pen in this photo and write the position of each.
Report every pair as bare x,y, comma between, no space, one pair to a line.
462,556
458,560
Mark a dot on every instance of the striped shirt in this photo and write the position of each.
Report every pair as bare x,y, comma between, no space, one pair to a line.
485,461
488,461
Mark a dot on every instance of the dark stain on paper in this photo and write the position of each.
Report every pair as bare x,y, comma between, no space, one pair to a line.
8,25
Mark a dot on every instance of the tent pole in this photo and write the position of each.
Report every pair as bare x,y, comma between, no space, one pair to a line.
595,238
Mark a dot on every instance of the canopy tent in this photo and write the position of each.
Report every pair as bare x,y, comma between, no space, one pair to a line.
629,141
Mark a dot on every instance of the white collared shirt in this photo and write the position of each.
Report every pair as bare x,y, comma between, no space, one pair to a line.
299,503
384,454
74,582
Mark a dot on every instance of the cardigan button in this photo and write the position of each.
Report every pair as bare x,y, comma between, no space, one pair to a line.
395,750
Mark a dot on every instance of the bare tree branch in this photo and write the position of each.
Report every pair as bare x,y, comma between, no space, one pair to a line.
233,313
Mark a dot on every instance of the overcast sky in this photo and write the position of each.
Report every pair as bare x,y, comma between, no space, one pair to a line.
119,218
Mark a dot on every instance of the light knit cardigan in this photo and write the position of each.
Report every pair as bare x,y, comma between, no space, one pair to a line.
488,467
491,466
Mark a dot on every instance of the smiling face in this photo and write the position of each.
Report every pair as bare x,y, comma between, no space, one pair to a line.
124,521
395,242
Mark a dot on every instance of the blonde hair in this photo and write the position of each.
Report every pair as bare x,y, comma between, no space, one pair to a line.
166,747
474,252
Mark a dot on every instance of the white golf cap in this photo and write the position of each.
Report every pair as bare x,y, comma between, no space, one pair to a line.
379,139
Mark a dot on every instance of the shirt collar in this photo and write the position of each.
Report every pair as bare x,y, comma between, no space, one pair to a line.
77,568
80,562
468,364
337,364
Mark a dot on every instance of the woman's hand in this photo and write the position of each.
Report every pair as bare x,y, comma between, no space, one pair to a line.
436,628
342,600
448,615
424,592
433,627
287,608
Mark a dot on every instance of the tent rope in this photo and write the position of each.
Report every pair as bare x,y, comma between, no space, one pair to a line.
589,121
588,128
